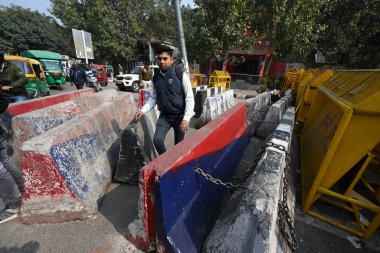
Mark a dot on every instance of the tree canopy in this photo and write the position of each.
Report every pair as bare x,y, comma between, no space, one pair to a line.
347,31
22,29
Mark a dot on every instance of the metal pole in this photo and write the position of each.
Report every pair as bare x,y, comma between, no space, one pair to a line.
180,34
84,47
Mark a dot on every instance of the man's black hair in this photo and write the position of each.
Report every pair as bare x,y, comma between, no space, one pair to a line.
164,49
146,63
2,59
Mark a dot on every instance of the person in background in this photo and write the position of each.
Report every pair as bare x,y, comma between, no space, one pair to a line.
12,81
11,186
146,75
78,76
173,94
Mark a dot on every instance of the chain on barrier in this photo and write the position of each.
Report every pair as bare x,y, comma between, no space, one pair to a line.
284,219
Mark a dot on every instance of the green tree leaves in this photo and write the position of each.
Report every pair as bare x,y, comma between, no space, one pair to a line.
346,31
22,29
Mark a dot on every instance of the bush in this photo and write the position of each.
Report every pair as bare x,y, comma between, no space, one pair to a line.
272,82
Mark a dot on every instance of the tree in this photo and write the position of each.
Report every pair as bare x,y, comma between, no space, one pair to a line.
222,25
22,29
114,25
347,31
352,33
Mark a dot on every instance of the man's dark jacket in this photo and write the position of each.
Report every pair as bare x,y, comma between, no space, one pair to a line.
170,93
78,76
17,80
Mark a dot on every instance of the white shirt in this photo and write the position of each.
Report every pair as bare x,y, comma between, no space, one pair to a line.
189,99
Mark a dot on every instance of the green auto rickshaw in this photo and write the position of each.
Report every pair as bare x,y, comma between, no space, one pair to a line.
52,65
33,71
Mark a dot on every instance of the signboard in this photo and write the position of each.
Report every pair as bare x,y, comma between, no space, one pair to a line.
83,44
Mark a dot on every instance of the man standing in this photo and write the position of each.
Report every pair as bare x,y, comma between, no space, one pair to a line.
146,75
12,81
78,76
173,94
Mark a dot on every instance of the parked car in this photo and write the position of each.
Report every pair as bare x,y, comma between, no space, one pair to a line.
131,81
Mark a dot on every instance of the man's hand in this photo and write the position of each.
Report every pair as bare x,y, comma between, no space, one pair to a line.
72,84
138,115
184,125
6,88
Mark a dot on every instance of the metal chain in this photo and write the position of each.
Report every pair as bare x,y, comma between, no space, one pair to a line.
217,181
236,182
284,220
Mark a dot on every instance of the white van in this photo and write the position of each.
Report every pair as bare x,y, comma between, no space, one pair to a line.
131,81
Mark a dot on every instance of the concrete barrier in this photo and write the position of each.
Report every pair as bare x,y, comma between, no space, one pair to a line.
273,117
68,169
200,98
31,124
215,106
177,205
38,103
248,222
257,108
198,88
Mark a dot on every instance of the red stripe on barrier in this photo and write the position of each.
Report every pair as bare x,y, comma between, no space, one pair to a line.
141,98
38,103
47,181
232,124
143,234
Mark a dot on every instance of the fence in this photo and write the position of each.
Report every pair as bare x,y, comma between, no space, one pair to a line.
249,79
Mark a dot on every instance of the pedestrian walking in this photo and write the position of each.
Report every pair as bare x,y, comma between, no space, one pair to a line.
78,76
9,188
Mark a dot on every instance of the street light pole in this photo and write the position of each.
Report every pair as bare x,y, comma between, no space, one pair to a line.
180,34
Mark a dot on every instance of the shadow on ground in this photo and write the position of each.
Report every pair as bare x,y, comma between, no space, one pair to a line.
30,247
119,206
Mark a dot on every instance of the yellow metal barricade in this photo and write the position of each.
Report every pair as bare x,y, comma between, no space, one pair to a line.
309,74
195,78
340,138
220,78
292,77
303,108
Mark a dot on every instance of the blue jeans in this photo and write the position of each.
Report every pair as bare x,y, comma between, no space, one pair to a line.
15,99
9,164
8,189
162,127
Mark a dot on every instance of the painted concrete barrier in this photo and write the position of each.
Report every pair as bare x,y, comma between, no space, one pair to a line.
198,88
248,222
34,104
200,98
28,125
38,103
215,106
144,95
68,169
177,205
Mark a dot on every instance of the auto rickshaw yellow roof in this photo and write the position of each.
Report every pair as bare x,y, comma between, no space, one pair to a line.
15,57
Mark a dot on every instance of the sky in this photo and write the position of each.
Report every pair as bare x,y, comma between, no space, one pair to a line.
43,5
